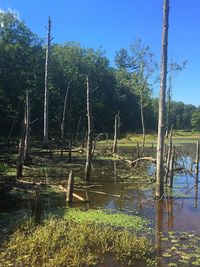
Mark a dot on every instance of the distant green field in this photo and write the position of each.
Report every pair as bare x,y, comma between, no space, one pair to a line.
179,137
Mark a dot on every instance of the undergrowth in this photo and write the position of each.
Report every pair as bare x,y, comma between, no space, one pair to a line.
68,242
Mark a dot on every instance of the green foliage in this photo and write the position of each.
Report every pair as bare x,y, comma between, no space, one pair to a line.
182,248
195,120
64,242
125,89
136,223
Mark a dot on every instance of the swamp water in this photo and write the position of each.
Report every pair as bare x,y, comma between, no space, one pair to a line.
175,219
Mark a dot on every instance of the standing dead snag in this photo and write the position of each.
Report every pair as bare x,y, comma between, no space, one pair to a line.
171,168
169,155
116,127
89,133
20,160
161,119
46,93
27,129
37,207
62,127
70,188
24,140
197,162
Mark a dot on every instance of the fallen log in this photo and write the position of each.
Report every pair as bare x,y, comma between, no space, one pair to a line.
143,159
30,183
74,195
103,193
134,162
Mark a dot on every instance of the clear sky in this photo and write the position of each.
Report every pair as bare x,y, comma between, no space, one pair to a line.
114,24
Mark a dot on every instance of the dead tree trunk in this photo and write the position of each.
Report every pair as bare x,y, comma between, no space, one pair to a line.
171,169
197,162
168,113
169,155
118,125
78,127
143,127
20,160
89,133
70,188
62,127
37,207
46,92
114,150
161,120
27,129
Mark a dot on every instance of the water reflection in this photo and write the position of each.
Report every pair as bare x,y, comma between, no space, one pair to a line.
178,211
196,195
159,218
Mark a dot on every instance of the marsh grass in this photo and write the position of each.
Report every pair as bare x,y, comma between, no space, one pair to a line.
68,242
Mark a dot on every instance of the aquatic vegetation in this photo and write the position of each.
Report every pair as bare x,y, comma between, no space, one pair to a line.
182,248
108,217
67,242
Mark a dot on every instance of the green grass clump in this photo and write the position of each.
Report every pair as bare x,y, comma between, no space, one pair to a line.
66,242
117,219
3,166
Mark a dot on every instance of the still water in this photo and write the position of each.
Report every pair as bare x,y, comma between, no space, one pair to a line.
175,218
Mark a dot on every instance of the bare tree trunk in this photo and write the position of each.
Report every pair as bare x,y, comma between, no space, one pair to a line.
70,131
37,207
27,129
78,127
20,160
118,125
62,127
161,120
114,150
89,133
168,114
197,162
70,188
171,169
46,93
143,127
84,133
169,155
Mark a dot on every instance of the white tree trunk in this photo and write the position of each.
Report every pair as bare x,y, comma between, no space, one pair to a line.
62,127
89,133
27,129
161,119
46,93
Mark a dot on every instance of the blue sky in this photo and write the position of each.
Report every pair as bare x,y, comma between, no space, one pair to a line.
114,24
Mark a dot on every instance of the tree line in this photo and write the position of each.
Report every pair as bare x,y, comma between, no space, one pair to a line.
125,88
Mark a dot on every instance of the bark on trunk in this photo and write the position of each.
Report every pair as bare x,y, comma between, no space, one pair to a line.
171,169
70,188
27,130
62,127
143,128
169,155
161,120
89,133
197,162
46,93
78,127
168,119
114,150
20,160
37,207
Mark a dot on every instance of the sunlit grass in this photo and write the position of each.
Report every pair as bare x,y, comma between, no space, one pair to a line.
73,242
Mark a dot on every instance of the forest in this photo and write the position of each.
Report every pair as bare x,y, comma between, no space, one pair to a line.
116,88
95,169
